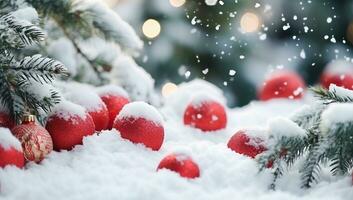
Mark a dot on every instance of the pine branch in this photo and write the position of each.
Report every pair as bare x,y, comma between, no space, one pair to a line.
18,33
38,68
329,96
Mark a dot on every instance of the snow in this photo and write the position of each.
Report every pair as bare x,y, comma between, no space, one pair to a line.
201,98
336,113
279,127
28,14
140,109
83,95
7,140
339,67
111,90
109,167
341,92
114,27
125,73
211,2
66,110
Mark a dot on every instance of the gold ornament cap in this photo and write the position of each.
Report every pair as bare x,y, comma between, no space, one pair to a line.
28,118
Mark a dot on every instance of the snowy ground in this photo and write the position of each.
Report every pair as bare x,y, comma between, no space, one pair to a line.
108,167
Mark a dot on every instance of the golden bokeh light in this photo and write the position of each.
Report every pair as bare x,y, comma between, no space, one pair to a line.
151,28
168,89
249,22
177,3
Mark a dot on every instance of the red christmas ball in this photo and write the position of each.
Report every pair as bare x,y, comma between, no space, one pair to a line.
141,123
10,150
6,121
36,141
247,145
68,125
341,80
100,118
282,85
181,164
207,115
115,98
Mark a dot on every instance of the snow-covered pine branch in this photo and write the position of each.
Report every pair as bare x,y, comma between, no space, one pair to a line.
17,29
329,137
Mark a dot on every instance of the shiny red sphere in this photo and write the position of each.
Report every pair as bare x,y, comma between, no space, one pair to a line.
100,118
181,164
11,156
141,131
114,105
243,144
207,116
341,80
282,85
66,133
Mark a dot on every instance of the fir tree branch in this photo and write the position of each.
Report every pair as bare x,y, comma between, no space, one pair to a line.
330,96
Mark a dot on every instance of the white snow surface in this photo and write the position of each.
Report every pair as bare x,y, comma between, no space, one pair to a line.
109,167
336,113
111,90
139,109
83,95
7,140
341,92
280,126
339,67
67,110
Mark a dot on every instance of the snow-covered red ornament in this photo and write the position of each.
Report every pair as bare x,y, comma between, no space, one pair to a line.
36,141
141,123
181,164
6,120
206,114
282,85
338,72
96,108
115,98
242,143
10,150
68,124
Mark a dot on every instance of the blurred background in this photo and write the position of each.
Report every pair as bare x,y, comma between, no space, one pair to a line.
235,43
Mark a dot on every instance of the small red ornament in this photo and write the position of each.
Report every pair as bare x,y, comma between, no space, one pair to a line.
114,105
207,115
68,128
341,80
181,164
140,129
36,141
247,145
282,85
100,117
6,121
10,150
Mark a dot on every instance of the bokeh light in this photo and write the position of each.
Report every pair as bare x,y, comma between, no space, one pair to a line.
249,22
168,89
177,3
151,28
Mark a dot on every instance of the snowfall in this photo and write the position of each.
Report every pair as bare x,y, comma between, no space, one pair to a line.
109,167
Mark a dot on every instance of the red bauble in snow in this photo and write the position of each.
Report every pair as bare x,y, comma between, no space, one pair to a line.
341,80
68,125
6,121
10,150
282,85
141,123
181,164
115,99
100,118
36,141
205,114
247,145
